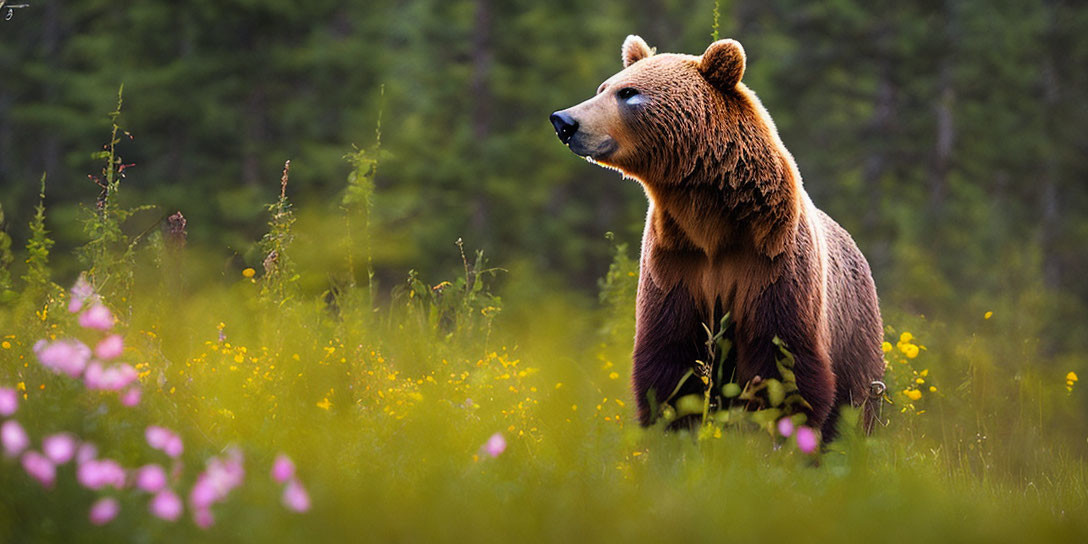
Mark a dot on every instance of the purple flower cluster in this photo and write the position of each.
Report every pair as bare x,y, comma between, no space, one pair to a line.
220,476
807,441
73,358
164,440
295,496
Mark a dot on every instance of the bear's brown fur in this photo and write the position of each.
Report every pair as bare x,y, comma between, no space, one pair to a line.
729,229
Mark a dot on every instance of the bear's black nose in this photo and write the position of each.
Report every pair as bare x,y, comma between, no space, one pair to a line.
565,125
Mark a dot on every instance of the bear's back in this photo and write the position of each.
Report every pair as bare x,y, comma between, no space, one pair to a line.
852,312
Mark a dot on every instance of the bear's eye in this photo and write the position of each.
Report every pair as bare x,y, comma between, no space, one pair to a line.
627,93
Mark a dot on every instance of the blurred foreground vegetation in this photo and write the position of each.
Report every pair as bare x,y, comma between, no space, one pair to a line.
354,326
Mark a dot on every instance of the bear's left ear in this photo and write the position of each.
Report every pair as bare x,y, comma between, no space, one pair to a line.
723,64
635,49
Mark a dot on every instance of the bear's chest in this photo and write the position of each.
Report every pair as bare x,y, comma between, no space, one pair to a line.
726,282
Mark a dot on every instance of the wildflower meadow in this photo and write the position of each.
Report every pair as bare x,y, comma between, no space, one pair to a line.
346,369
162,397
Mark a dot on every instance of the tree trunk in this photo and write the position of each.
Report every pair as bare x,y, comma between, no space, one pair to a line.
51,38
1050,212
6,171
254,136
880,131
945,119
482,60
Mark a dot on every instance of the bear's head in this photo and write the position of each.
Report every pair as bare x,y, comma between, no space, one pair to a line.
667,117
700,142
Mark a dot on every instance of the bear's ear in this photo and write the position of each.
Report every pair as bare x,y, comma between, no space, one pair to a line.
723,64
634,50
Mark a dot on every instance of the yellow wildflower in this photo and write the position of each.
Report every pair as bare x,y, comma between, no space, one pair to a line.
613,376
5,344
249,273
905,337
886,347
987,315
913,394
1071,377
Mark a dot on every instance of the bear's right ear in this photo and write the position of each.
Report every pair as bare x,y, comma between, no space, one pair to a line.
634,50
723,64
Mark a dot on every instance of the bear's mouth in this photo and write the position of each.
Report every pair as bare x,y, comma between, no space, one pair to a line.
592,150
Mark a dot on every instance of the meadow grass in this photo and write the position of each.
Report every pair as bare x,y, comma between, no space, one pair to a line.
385,414
385,403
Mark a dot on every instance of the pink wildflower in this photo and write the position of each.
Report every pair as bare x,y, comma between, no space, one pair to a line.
82,291
104,510
226,473
14,438
98,473
157,436
110,347
40,467
86,452
166,505
174,447
66,356
220,477
495,445
164,439
282,469
806,439
9,401
202,517
785,426
96,317
203,493
59,448
295,497
93,377
114,378
151,478
131,397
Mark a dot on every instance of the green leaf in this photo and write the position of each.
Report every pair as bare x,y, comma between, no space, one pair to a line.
776,393
689,404
731,390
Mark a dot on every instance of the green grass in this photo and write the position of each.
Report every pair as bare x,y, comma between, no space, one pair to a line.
390,455
384,398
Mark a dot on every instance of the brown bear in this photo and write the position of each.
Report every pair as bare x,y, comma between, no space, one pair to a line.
729,229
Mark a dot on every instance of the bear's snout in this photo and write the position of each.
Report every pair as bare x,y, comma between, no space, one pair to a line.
565,125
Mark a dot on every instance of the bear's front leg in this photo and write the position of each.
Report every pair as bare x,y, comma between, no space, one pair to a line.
668,341
782,310
756,356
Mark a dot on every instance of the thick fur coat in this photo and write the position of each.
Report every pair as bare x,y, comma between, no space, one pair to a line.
729,229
